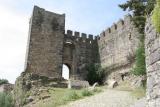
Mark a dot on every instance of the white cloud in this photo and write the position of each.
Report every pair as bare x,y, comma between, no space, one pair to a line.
13,39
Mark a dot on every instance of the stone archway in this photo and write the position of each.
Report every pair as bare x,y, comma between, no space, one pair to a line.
66,71
68,57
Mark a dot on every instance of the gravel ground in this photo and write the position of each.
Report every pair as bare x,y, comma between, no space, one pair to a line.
140,103
108,98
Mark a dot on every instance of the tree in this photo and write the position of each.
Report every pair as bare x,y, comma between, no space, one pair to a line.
139,8
3,81
95,74
150,6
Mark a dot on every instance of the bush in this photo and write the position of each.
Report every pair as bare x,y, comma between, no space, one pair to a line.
3,81
71,96
156,16
140,65
97,90
95,74
86,92
6,100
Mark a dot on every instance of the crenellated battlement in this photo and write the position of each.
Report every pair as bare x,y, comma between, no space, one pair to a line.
83,36
50,46
122,23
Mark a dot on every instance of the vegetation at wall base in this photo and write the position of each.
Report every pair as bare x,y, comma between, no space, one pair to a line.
139,8
140,68
156,16
86,92
62,96
95,74
6,100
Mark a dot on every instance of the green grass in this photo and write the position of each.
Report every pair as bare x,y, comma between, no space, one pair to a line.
86,92
124,86
6,100
61,96
139,92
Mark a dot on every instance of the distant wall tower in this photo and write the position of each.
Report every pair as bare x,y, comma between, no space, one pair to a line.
44,53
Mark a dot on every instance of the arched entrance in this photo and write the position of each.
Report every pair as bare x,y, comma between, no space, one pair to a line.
65,71
68,60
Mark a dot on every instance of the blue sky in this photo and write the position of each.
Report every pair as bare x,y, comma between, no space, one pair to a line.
88,16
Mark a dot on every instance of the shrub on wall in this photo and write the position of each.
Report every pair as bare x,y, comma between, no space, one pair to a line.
140,65
95,74
156,16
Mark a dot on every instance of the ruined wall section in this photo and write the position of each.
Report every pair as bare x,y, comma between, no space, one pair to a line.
117,47
152,52
45,43
85,52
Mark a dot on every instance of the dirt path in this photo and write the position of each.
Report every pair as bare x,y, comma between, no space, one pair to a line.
108,98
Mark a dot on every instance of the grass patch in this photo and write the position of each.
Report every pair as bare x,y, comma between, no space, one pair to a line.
6,100
86,92
135,92
124,86
72,96
139,92
60,96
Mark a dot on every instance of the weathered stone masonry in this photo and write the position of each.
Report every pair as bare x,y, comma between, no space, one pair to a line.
79,52
49,47
45,43
117,47
152,51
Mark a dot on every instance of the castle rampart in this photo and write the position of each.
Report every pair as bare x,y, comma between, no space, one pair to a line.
117,46
84,49
50,46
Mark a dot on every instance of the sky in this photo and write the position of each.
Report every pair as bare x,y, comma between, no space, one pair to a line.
87,16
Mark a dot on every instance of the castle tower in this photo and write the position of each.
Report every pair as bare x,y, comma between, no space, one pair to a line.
45,44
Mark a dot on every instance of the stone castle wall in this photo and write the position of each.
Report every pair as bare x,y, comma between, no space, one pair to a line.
117,47
44,53
152,52
49,47
80,50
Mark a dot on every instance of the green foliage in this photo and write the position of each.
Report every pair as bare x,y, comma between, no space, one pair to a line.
72,96
3,81
136,6
95,74
139,8
156,16
150,6
86,92
140,68
139,22
6,100
139,92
